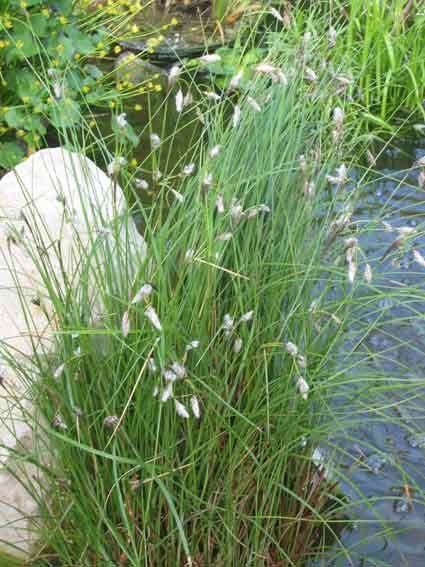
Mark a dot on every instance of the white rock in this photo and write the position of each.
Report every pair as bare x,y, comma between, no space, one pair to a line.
53,206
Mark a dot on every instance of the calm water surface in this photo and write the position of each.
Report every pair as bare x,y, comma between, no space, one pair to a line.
380,459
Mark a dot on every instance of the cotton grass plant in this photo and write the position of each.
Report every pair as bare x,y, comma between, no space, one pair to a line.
178,426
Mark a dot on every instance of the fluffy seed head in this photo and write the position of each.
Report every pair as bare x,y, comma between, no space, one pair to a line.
179,100
368,275
58,422
110,421
194,404
155,140
153,317
219,203
291,348
167,393
179,370
188,169
181,410
59,371
210,58
143,293
125,323
122,120
303,387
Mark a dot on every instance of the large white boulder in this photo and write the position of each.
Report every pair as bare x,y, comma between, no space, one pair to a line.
54,207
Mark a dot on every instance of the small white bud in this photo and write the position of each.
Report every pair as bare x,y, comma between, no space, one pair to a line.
215,151
190,255
208,179
237,345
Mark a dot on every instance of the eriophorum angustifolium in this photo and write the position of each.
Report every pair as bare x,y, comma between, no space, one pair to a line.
183,422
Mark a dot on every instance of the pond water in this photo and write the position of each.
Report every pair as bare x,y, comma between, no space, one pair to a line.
382,451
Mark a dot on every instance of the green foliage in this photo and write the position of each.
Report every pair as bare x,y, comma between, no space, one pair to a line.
45,72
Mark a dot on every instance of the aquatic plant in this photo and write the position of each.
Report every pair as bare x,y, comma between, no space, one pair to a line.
187,424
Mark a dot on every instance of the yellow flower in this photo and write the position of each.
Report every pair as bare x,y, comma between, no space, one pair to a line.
45,12
20,133
77,56
60,48
85,89
137,107
100,45
5,108
8,24
2,44
117,49
36,138
55,62
25,99
92,123
23,5
174,21
102,53
135,29
158,88
112,104
63,20
133,162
